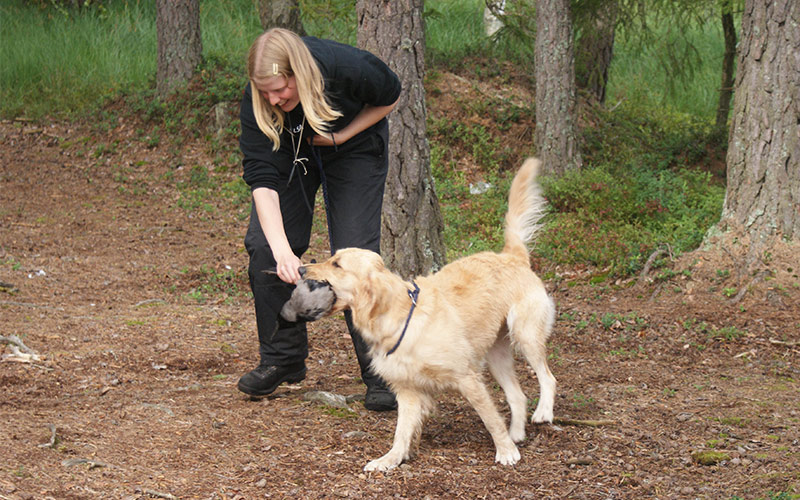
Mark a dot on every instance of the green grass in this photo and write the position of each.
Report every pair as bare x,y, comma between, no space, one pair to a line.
454,30
66,62
56,63
667,73
62,61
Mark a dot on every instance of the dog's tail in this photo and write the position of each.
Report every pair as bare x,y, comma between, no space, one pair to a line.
526,207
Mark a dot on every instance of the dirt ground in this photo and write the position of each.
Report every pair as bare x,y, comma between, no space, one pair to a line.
138,309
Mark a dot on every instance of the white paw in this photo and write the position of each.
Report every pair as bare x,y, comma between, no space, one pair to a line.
508,457
517,435
542,415
381,464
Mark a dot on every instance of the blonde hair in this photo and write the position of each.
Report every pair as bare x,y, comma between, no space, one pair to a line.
281,52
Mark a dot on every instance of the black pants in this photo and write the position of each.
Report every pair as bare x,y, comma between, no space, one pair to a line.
355,179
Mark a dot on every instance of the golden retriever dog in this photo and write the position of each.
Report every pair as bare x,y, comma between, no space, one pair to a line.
440,331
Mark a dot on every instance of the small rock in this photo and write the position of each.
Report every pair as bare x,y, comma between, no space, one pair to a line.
261,484
92,464
193,387
683,417
479,187
326,398
357,434
6,487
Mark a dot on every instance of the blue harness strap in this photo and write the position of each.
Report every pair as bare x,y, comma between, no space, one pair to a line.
414,295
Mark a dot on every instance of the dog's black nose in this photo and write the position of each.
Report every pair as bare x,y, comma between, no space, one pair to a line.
302,271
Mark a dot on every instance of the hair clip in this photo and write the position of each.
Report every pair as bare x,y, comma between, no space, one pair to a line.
274,68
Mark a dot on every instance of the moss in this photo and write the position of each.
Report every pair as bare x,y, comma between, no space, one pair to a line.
709,457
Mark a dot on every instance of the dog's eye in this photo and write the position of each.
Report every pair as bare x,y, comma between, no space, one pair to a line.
336,264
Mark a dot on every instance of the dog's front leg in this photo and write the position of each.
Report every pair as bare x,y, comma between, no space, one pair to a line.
410,412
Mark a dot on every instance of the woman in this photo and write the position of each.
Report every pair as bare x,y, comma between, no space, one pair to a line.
314,114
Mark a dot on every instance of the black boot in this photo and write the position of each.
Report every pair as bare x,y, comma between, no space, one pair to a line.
379,397
266,378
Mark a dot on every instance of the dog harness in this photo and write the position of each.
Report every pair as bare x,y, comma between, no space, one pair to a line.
413,294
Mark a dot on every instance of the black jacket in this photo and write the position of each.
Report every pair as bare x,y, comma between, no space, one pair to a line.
353,78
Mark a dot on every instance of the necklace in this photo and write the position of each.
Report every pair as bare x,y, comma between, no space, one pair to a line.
296,149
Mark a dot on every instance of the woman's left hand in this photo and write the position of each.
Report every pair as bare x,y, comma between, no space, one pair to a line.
367,117
326,140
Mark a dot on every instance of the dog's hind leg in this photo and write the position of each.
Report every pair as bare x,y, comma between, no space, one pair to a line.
472,388
530,324
501,365
411,410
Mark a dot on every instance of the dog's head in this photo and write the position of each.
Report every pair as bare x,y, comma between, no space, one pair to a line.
331,286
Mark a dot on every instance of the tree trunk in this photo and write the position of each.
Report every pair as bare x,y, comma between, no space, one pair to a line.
728,62
281,14
491,22
411,241
595,50
556,143
763,193
180,48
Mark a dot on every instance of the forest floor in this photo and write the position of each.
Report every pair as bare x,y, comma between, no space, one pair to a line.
134,296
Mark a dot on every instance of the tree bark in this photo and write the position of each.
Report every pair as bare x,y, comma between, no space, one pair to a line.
556,105
728,65
763,193
281,14
180,48
595,50
412,241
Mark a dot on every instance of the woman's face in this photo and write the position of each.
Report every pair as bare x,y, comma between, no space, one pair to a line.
280,91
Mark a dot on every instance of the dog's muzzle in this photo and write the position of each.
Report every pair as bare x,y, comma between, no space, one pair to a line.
310,301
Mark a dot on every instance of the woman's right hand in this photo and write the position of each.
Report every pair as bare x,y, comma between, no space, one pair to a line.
288,267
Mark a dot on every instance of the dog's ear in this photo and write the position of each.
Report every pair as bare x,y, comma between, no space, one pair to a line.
363,302
372,297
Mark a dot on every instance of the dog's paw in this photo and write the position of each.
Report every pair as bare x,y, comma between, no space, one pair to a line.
542,415
517,434
381,464
507,457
